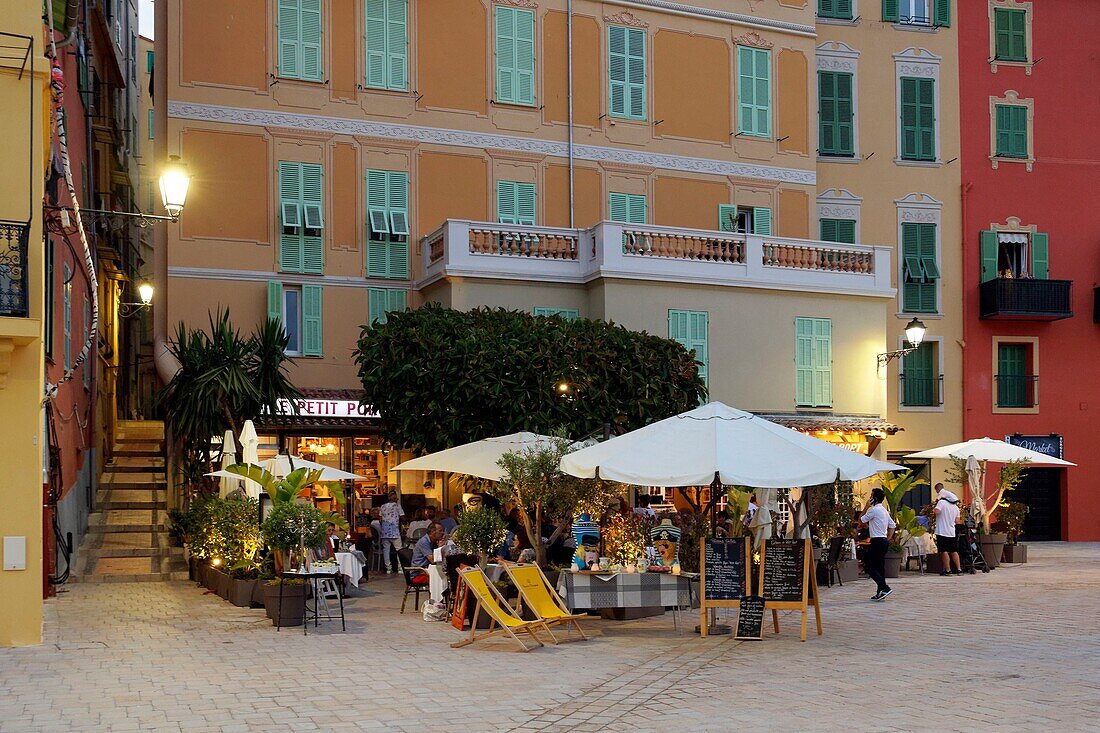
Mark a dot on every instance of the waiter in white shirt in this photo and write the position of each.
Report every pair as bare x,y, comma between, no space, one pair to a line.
947,513
881,528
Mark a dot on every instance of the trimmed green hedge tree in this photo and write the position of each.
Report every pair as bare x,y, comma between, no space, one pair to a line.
441,377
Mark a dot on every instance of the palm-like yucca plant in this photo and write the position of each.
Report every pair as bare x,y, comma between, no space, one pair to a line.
268,367
896,485
295,485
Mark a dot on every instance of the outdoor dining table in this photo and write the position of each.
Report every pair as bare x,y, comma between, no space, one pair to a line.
350,565
607,591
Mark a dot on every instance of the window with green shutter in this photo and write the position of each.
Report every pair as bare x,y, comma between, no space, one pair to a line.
1011,128
761,220
387,224
387,43
1014,384
918,119
691,330
838,9
727,218
838,230
1009,35
629,208
813,357
301,238
569,314
151,124
299,38
626,70
746,219
515,55
383,301
835,114
920,270
516,203
920,383
149,62
754,91
311,321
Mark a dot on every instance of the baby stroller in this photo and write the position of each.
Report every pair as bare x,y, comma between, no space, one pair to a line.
970,554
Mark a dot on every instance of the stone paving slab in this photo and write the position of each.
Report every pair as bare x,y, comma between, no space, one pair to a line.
1014,650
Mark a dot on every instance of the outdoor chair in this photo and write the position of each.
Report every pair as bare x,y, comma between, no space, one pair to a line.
489,600
416,579
375,550
832,559
541,599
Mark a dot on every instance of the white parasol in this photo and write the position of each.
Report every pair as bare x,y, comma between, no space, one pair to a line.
975,477
228,458
250,453
480,458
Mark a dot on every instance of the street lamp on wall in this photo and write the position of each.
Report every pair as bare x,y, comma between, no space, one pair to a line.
914,336
174,182
145,293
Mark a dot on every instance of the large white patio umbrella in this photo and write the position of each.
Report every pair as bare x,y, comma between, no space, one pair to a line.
479,458
283,464
227,485
250,453
718,442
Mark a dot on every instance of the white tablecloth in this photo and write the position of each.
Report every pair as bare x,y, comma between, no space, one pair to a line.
922,545
350,566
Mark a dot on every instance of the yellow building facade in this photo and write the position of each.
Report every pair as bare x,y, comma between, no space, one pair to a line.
650,163
24,95
888,89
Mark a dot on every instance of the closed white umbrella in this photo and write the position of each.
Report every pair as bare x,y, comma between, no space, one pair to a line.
716,441
480,458
250,453
228,458
975,477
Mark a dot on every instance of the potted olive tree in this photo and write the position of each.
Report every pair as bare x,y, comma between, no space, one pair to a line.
291,526
1010,521
481,530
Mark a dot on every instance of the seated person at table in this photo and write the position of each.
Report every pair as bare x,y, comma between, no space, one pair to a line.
332,541
424,557
724,525
447,522
418,522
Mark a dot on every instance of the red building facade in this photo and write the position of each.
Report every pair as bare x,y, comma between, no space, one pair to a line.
1031,246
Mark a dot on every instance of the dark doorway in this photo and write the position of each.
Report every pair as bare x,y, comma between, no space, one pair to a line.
1041,490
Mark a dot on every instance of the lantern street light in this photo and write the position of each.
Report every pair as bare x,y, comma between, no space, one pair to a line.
914,336
145,293
174,182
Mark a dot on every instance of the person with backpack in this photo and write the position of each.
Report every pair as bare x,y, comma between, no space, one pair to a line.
881,527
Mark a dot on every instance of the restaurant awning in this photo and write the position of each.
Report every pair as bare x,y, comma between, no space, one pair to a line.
810,422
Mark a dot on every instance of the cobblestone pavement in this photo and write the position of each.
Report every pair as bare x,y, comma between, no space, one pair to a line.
1013,650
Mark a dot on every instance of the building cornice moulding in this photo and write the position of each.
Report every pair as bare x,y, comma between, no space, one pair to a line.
482,141
342,281
692,11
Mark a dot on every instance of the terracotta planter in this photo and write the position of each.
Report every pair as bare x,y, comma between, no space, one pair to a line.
893,564
222,584
240,592
992,546
1014,553
293,606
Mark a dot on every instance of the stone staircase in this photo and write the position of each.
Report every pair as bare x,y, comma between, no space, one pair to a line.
127,538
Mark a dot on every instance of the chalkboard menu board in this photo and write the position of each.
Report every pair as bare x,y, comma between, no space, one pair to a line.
784,570
750,618
724,565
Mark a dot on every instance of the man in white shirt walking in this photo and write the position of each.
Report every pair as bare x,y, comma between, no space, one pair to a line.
947,513
881,528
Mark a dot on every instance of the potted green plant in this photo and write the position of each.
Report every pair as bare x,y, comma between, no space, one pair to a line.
242,541
290,526
480,530
1010,521
990,540
896,486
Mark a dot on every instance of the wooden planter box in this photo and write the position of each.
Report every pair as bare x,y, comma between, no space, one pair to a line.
240,592
293,608
1014,553
258,594
209,578
222,584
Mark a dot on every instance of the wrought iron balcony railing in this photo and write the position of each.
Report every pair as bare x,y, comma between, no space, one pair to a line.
921,391
14,237
1017,390
1028,299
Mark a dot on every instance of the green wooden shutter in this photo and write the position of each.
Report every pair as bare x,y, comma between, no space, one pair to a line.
275,301
761,221
1011,128
1040,256
835,113
629,208
388,221
377,300
626,68
637,204
803,361
920,378
289,26
690,329
1010,35
311,320
506,202
828,230
396,300
918,136
727,218
290,207
928,260
515,55
525,203
754,91
311,40
151,124
919,268
989,251
822,362
1012,382
841,9
397,45
838,230
378,216
313,246
941,12
890,11
376,35
398,209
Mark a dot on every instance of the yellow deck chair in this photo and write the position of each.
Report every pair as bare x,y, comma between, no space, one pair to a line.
542,600
500,614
